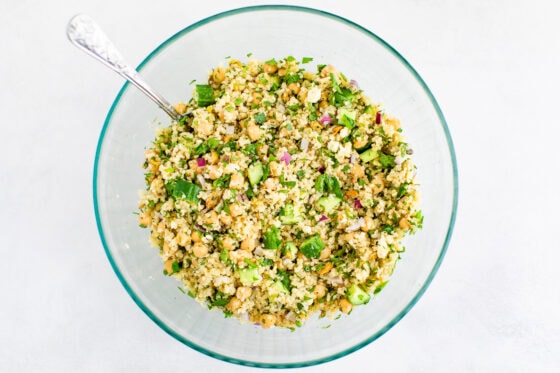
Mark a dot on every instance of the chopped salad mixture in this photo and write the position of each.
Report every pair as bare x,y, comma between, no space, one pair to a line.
282,193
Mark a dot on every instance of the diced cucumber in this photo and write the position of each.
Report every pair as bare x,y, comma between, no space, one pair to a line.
312,247
205,95
329,203
279,288
255,173
346,117
357,296
249,276
289,215
368,156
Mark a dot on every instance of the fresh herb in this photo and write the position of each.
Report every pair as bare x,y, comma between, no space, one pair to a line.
271,62
386,160
328,184
380,287
249,263
260,118
220,300
300,174
250,149
265,262
289,184
292,78
222,182
238,101
306,60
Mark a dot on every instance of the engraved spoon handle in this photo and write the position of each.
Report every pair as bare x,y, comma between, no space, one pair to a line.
84,33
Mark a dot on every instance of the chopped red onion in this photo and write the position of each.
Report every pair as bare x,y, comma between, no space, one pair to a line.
325,119
378,118
358,204
286,157
230,130
354,84
323,218
353,158
321,169
201,162
399,160
304,144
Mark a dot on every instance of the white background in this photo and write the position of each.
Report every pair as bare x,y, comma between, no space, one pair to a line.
492,307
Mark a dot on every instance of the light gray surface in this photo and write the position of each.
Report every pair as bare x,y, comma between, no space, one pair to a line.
493,306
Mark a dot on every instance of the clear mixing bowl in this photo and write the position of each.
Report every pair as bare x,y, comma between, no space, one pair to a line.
266,32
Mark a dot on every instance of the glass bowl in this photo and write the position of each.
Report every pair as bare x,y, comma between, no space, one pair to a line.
266,32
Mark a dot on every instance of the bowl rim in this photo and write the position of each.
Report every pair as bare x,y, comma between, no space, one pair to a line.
448,235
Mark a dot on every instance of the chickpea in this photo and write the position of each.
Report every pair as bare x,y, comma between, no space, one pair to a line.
326,71
205,128
360,142
219,74
253,131
326,268
323,104
235,209
325,253
404,223
243,292
213,157
214,172
357,171
377,184
267,321
248,244
316,126
274,168
229,243
168,265
212,218
282,72
213,199
183,239
145,219
270,69
233,305
236,181
200,250
368,224
193,165
180,108
293,88
319,291
345,305
352,193
395,122
256,98
235,63
225,219
195,237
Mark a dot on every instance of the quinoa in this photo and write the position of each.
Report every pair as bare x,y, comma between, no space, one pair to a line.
281,193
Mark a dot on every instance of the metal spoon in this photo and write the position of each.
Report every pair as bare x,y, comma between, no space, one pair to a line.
84,33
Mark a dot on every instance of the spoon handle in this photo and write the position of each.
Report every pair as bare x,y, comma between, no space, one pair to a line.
84,33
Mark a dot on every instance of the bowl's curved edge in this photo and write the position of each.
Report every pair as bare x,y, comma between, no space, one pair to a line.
422,290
